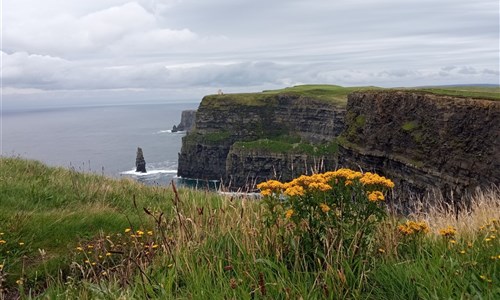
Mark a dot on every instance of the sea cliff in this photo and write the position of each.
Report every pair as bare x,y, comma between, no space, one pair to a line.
424,141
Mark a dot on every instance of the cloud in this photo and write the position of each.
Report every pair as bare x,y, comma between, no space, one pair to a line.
178,46
122,29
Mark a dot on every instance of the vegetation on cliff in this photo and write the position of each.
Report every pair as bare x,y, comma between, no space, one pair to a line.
288,144
338,94
78,236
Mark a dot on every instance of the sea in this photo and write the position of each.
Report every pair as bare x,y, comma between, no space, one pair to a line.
99,139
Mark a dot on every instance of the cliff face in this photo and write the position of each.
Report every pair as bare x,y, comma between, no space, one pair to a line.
247,167
209,152
187,123
424,141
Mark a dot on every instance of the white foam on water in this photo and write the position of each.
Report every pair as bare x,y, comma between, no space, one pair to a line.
149,172
170,131
164,131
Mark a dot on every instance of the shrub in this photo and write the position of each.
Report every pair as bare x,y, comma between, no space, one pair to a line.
327,220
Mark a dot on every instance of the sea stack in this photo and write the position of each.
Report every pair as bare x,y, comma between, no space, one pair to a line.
140,163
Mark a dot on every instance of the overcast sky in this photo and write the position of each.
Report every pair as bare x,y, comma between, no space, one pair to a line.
87,51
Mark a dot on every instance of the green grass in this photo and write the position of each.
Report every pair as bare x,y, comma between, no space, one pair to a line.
287,145
328,93
336,94
211,247
410,126
490,93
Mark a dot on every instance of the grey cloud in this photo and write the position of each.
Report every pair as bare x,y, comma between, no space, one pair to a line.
467,70
196,45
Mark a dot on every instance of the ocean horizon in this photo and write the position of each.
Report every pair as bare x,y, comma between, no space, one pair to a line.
100,139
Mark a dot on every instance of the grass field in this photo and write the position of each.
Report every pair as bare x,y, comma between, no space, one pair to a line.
67,235
338,94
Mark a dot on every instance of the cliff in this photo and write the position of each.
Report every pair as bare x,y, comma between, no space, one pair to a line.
187,123
422,140
289,132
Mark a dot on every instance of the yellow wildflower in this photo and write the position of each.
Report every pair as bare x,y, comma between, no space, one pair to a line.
266,192
376,196
140,232
289,213
127,230
21,243
150,232
375,179
19,281
325,208
411,227
79,248
269,187
108,253
320,186
2,242
449,231
296,190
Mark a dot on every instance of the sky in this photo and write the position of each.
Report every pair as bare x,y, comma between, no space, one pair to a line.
99,51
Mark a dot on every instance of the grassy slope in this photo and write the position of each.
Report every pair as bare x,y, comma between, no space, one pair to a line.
54,208
217,247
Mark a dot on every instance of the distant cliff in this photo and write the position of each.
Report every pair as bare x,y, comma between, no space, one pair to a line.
422,140
188,118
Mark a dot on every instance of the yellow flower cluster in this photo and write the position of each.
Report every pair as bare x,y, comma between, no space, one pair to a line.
320,186
376,196
295,190
289,213
448,232
323,182
375,179
412,227
269,187
346,174
325,208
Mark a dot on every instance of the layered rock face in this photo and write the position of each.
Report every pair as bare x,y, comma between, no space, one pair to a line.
187,123
424,141
222,121
246,168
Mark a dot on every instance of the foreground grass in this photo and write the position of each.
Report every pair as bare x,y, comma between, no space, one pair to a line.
71,235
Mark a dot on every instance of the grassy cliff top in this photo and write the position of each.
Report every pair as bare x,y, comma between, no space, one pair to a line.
329,93
336,94
479,92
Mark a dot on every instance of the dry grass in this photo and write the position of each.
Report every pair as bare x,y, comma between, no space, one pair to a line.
467,215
